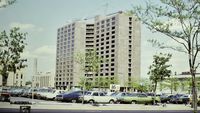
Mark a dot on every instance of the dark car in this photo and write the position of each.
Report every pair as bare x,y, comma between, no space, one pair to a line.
70,96
165,98
175,99
185,99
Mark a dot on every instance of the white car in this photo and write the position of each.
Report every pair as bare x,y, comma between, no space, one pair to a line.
52,95
98,97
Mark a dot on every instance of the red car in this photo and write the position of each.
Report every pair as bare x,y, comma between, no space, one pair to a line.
4,95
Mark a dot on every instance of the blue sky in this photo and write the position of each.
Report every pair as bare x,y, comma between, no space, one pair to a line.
41,18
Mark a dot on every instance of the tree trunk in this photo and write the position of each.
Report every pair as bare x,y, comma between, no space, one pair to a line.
4,79
194,93
154,98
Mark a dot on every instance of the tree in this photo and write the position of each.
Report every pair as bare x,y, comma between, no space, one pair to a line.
172,83
86,83
6,3
12,45
89,62
163,18
158,71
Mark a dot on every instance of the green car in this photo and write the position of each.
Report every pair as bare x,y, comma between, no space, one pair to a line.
138,98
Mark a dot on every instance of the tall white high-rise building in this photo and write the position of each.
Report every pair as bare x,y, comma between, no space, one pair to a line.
115,37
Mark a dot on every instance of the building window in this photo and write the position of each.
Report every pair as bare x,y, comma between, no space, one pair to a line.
113,46
108,20
112,55
113,27
113,18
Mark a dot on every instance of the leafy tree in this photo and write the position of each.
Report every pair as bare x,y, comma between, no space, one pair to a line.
158,71
7,3
141,85
89,62
12,45
172,83
86,83
167,15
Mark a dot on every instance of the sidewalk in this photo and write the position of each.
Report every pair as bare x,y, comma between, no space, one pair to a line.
79,106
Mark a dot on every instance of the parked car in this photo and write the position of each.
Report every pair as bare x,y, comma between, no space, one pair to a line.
119,96
175,99
184,99
70,96
164,98
17,92
138,98
32,92
4,94
52,95
41,93
98,97
25,92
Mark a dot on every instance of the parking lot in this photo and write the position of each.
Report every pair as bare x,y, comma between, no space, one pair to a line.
44,104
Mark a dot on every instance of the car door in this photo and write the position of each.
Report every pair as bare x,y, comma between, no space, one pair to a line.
102,98
95,96
143,98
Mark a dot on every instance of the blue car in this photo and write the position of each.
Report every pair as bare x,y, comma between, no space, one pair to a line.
70,96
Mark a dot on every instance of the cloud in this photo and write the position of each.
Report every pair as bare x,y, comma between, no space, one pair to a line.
23,26
43,51
26,26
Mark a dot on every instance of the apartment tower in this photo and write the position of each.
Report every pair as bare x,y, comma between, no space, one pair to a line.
115,37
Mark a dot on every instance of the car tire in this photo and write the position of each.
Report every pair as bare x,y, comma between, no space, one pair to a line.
133,102
111,102
91,102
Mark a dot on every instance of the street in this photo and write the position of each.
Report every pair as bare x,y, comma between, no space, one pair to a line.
93,111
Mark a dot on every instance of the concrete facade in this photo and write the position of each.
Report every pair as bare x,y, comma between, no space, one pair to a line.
43,80
70,41
115,37
17,79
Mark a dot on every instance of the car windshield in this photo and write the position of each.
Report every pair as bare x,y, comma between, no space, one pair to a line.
88,93
114,94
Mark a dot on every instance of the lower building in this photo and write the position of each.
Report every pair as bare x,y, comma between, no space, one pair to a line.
15,79
43,80
180,83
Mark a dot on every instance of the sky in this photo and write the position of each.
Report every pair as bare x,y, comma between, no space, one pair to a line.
41,19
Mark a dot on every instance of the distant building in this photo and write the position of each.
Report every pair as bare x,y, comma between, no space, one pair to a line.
43,80
183,86
17,79
115,37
